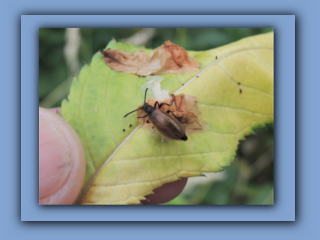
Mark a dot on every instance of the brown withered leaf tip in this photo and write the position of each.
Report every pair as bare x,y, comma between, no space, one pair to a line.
168,58
184,108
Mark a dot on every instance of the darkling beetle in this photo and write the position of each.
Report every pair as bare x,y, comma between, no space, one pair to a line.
167,126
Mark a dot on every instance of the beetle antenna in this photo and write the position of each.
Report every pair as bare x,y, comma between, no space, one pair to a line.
132,112
145,95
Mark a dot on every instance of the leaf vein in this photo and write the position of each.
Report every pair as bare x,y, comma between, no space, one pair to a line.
170,156
239,109
243,86
218,60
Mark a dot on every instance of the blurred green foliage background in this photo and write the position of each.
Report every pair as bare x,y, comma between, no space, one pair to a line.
63,51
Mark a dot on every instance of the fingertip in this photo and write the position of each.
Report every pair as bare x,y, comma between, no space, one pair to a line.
62,162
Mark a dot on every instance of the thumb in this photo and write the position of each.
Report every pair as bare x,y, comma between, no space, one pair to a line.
62,163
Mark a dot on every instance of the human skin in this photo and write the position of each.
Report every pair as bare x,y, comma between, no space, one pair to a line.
62,164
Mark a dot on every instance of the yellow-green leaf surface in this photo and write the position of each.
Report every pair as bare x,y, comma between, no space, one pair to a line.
125,166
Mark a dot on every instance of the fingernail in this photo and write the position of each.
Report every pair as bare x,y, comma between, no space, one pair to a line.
54,156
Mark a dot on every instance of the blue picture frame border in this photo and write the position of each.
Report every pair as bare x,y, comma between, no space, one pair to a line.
284,75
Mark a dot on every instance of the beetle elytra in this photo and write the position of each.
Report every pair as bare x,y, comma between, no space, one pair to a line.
167,125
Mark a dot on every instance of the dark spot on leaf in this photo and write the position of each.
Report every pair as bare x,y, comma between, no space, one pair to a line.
240,90
130,125
124,130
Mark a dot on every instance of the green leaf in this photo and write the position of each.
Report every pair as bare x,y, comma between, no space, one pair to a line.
125,166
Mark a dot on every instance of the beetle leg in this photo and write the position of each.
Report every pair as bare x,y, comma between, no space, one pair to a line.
155,104
144,116
165,104
160,105
179,118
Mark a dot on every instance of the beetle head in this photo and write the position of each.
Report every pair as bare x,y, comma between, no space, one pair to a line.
147,108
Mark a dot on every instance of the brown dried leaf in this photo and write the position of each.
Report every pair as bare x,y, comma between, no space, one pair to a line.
168,58
184,107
